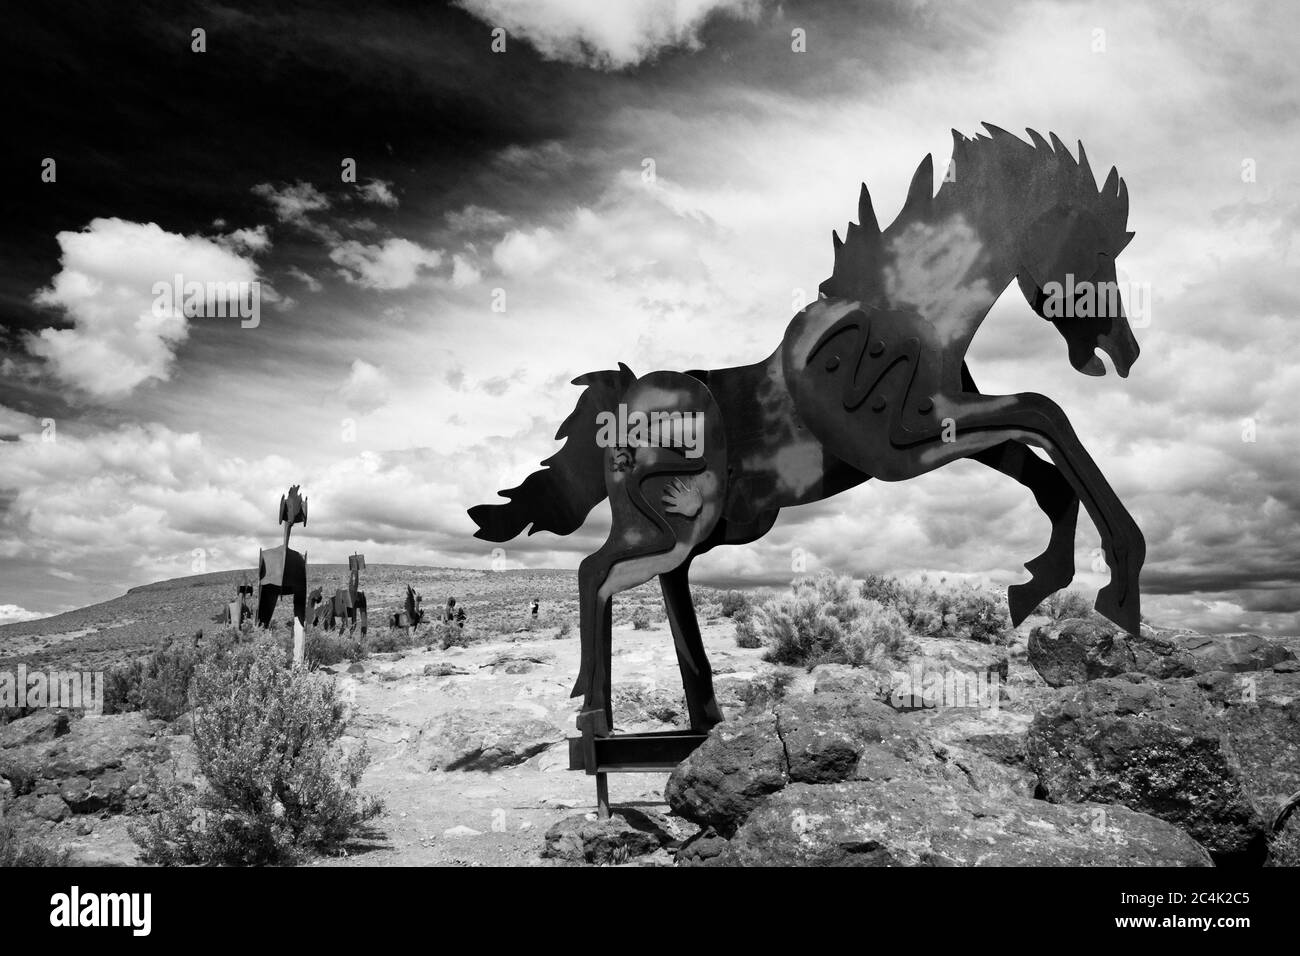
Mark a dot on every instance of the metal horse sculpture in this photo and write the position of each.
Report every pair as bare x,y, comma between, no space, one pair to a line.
347,604
412,613
869,381
236,612
281,570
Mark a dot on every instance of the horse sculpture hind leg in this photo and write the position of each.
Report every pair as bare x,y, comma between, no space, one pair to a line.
697,676
666,481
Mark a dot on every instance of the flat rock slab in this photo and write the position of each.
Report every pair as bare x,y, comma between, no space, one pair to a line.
915,823
482,740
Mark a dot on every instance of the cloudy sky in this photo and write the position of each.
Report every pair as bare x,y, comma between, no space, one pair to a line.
382,379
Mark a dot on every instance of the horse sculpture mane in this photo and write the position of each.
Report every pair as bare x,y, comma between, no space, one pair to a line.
998,177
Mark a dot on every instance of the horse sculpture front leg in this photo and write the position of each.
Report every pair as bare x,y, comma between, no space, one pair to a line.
983,422
1054,568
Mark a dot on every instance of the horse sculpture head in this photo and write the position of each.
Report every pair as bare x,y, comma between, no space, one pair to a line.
1007,210
1064,237
314,597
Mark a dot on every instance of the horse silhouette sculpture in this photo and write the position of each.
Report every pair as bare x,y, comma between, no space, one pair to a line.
236,612
869,381
412,612
348,604
281,570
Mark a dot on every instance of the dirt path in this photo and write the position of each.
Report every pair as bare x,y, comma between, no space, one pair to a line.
469,817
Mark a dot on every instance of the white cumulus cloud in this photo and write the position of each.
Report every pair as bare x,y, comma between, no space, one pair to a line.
392,264
105,288
604,35
366,388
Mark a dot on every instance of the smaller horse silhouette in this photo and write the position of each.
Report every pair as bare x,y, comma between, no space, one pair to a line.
347,604
412,615
236,612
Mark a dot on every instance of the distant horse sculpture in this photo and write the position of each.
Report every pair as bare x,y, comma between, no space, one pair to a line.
869,381
348,604
412,613
237,611
320,613
281,570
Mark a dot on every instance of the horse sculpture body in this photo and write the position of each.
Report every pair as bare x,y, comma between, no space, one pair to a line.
869,381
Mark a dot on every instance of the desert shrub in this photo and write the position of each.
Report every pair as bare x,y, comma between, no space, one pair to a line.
641,619
385,640
823,619
1064,605
888,591
973,613
159,683
734,604
448,635
323,648
746,633
959,612
122,686
17,850
566,628
266,736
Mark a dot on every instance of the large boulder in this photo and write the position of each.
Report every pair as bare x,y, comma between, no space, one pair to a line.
740,763
102,764
1260,716
627,833
482,740
1152,746
1084,649
918,823
823,739
43,806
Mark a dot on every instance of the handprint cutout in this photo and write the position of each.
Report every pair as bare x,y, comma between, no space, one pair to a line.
683,498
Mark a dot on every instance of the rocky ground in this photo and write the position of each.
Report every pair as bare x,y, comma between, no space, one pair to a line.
1095,749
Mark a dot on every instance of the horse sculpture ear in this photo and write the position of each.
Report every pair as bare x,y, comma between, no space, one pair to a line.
1065,239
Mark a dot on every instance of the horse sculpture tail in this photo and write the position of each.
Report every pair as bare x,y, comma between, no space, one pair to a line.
558,497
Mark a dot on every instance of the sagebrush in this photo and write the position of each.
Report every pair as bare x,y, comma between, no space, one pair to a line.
824,619
277,785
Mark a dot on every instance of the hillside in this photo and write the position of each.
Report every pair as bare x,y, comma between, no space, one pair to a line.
105,633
